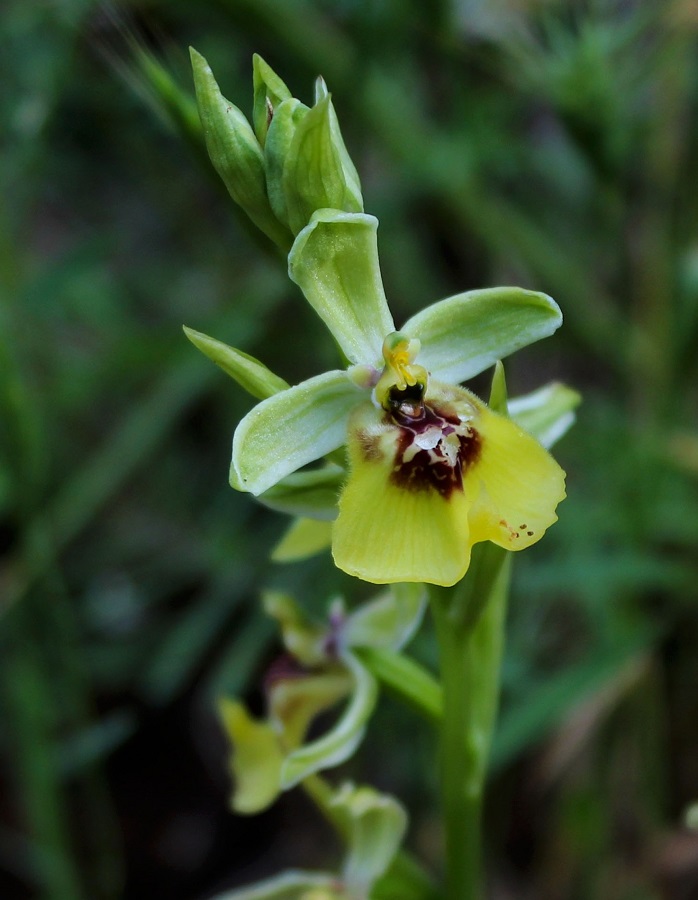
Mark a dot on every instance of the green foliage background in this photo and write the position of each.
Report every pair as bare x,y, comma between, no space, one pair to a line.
548,144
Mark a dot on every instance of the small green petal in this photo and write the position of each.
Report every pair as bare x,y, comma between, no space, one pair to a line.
312,494
377,826
342,740
256,758
234,151
305,538
547,413
291,885
290,429
318,171
334,261
465,334
269,92
389,621
250,373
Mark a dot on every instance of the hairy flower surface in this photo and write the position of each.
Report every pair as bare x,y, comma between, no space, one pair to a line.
432,470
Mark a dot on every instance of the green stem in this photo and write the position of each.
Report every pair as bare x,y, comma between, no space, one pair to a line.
461,791
469,620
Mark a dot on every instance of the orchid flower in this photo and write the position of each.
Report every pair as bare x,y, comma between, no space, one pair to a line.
432,470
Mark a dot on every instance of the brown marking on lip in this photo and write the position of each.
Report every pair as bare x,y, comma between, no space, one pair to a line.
430,469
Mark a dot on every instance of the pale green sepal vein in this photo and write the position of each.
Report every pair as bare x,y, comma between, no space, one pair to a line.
334,261
291,429
547,413
250,373
341,741
463,335
318,171
312,493
291,885
269,92
234,151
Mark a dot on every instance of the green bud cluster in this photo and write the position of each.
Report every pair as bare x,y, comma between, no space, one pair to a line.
290,162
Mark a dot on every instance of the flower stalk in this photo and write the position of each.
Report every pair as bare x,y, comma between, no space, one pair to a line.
469,620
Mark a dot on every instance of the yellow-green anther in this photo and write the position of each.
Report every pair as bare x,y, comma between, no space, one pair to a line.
234,151
400,372
269,92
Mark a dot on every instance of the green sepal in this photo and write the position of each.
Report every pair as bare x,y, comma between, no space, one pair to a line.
318,171
463,335
334,261
389,621
250,373
303,639
303,539
287,117
312,494
341,741
294,884
234,151
269,92
547,413
290,429
377,825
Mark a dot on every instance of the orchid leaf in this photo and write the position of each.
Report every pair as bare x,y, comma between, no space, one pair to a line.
250,373
290,429
334,261
465,334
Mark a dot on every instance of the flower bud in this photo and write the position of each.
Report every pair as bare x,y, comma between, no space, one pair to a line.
318,172
269,92
234,151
